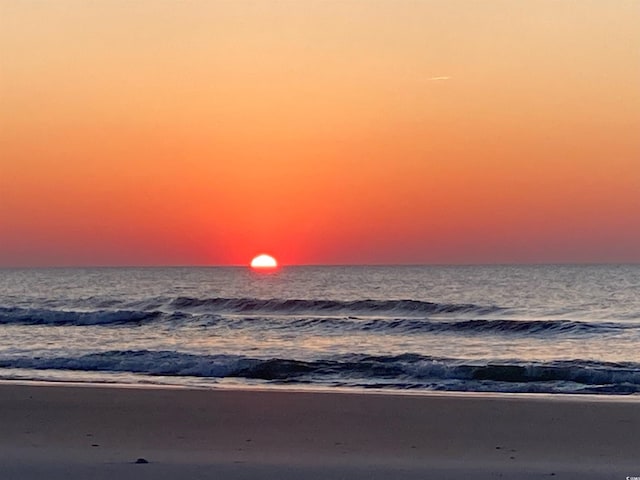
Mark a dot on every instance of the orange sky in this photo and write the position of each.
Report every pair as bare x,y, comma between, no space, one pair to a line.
203,132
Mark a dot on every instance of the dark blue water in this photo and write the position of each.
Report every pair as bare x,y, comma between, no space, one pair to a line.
552,329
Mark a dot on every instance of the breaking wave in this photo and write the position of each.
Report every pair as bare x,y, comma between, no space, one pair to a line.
37,316
297,321
406,371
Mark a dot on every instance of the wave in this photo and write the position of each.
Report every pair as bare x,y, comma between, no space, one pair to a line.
317,306
492,326
312,324
401,371
38,316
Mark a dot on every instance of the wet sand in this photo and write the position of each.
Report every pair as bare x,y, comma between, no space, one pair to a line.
78,432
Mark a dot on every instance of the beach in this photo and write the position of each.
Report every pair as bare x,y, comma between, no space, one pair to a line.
99,431
319,240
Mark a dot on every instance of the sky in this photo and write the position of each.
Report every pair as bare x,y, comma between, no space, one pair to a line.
321,132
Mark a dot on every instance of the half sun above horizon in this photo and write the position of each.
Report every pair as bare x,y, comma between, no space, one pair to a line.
264,261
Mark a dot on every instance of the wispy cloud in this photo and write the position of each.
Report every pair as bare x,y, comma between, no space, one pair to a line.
438,79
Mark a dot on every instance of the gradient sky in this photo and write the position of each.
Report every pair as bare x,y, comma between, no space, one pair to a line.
375,131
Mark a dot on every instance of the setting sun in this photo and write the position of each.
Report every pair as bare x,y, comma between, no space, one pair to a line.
264,261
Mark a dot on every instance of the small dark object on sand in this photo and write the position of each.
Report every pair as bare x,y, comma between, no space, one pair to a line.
141,460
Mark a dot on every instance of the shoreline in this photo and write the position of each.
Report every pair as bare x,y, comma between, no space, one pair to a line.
580,397
99,431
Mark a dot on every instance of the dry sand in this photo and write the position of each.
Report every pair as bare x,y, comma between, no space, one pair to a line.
97,432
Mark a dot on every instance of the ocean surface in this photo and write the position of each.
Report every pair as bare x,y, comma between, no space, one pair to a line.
548,329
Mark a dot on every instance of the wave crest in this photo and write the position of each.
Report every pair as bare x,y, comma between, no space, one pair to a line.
318,306
401,371
35,316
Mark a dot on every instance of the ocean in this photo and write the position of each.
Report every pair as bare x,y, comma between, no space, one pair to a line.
536,329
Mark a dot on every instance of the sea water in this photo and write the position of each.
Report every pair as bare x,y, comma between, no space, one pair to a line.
551,329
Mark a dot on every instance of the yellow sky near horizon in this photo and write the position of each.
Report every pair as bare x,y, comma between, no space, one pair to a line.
321,131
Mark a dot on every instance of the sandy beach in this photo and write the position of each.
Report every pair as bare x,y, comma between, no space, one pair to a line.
70,432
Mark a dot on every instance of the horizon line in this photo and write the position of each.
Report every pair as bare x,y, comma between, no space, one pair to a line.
238,265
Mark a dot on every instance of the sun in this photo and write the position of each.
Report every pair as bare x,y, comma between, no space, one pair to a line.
264,261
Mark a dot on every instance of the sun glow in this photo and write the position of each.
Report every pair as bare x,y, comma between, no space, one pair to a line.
264,261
